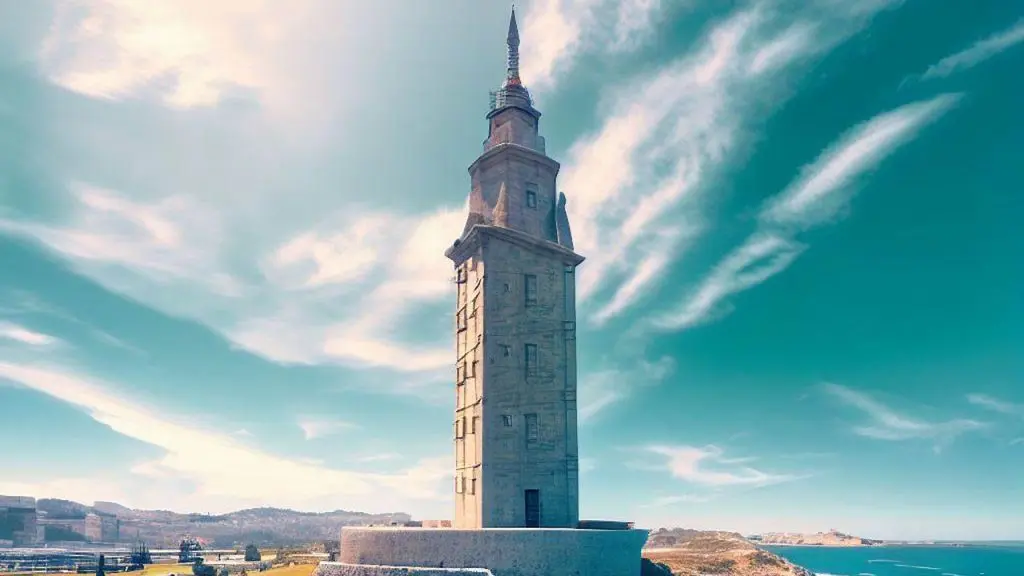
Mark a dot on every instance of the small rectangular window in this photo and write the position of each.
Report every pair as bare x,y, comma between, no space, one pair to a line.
506,350
476,425
531,195
530,291
506,419
458,483
460,320
531,360
532,428
472,485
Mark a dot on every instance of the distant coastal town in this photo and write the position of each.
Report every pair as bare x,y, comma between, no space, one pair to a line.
831,538
837,539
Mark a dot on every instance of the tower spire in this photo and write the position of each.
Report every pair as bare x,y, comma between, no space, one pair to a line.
512,76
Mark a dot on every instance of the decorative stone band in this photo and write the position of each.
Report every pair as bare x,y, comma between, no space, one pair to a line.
479,234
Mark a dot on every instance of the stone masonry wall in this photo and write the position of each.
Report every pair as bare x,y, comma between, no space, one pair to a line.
529,417
339,569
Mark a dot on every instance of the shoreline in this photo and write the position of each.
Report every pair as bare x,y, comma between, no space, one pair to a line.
787,545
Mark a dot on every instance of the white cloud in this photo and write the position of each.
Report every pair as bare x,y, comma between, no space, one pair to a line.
642,174
822,189
633,22
174,240
556,33
23,335
818,193
216,466
314,427
708,466
599,390
658,256
169,254
978,53
760,258
550,31
194,52
886,423
587,465
361,333
996,405
663,501
792,43
342,255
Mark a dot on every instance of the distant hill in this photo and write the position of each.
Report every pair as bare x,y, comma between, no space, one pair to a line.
830,538
695,553
261,526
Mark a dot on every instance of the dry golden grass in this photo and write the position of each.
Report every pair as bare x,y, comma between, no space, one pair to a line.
717,553
164,570
296,570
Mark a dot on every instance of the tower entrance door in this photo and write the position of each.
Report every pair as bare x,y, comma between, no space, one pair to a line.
532,508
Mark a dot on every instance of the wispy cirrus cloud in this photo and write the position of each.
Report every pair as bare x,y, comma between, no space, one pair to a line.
314,427
708,466
996,405
813,199
602,389
760,258
640,178
191,54
309,304
886,423
214,466
824,186
14,332
556,33
979,52
663,501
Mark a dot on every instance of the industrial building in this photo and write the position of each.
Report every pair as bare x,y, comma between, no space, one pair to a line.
17,521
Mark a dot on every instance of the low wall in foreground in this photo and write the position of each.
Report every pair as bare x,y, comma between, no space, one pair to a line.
503,551
339,569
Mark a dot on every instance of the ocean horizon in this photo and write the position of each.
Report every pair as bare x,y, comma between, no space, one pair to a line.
974,559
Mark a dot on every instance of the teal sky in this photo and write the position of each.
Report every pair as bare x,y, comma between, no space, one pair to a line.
222,280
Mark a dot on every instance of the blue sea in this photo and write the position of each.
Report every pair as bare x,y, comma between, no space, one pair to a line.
974,560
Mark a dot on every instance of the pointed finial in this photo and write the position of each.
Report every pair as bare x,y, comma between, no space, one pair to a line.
513,29
513,49
500,215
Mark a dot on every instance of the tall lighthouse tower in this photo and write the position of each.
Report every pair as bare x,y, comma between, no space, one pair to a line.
516,456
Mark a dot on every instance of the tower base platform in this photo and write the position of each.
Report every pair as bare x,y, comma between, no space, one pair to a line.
393,551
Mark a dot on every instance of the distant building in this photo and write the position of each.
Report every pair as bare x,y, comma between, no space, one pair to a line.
93,528
18,519
437,523
100,527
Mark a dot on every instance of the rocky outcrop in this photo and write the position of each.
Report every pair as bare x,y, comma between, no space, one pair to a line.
696,553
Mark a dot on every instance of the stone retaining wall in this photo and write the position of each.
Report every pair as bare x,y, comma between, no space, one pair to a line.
503,551
341,569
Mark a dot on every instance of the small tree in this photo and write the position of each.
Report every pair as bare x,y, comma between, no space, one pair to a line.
252,553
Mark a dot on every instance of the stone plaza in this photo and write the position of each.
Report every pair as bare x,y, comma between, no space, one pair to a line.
516,481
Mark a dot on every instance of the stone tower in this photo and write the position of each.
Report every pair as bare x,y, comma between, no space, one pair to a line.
516,457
